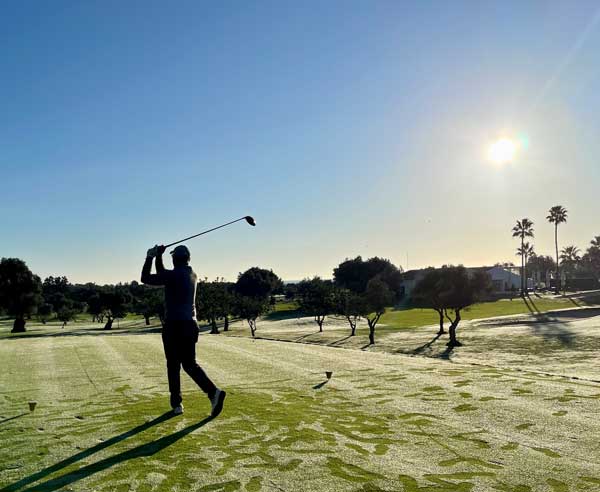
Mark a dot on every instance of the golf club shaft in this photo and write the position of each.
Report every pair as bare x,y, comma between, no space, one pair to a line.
204,232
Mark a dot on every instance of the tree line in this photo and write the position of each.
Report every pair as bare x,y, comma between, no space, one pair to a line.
360,289
24,295
568,262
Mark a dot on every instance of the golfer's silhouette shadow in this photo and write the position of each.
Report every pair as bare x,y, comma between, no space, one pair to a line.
147,449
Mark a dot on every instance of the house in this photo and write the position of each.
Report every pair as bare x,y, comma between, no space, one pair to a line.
411,278
504,278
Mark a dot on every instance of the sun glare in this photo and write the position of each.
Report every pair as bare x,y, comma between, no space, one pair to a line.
502,151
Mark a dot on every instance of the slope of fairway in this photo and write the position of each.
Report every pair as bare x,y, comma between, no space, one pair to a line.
407,318
383,422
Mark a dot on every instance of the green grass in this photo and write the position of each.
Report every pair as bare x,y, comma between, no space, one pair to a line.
284,310
410,318
285,306
101,425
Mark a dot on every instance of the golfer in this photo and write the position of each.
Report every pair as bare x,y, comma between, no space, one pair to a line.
180,330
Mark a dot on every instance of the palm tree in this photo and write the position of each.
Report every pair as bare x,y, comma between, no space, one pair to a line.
569,259
523,229
557,215
591,258
526,251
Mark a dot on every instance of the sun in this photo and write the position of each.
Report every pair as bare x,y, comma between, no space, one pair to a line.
503,150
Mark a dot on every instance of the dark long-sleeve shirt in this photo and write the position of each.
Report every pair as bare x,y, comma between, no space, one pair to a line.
180,288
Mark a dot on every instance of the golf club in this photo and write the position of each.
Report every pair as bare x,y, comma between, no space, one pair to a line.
247,218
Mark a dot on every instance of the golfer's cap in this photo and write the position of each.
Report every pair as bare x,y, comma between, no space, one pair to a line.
181,251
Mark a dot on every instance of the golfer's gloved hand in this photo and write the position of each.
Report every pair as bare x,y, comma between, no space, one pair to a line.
160,250
152,252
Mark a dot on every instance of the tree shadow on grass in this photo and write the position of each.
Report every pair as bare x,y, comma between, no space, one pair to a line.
446,354
305,336
96,331
143,450
425,346
84,454
588,312
337,342
531,305
79,332
554,331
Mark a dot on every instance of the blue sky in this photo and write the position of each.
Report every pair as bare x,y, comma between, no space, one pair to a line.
345,128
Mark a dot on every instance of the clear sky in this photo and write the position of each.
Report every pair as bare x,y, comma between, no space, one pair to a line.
346,128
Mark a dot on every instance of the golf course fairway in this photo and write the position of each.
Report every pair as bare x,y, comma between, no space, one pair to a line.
383,421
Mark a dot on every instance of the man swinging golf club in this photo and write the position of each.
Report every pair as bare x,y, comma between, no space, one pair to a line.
180,331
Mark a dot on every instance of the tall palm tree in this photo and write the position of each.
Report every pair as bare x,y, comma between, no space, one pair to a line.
557,215
523,229
526,251
569,259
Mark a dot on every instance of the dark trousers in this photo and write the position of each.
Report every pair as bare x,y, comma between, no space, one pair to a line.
179,341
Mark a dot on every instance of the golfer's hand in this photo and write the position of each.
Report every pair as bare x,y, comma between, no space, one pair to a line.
152,252
160,250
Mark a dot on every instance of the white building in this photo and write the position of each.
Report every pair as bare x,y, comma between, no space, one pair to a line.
504,279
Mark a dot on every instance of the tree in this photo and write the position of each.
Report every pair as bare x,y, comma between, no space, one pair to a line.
541,265
316,299
66,313
20,291
116,304
557,215
258,282
253,289
147,300
428,294
376,298
226,302
213,302
85,298
156,304
55,285
349,305
591,258
96,306
44,312
459,291
290,291
569,260
250,308
55,291
525,252
523,229
355,274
